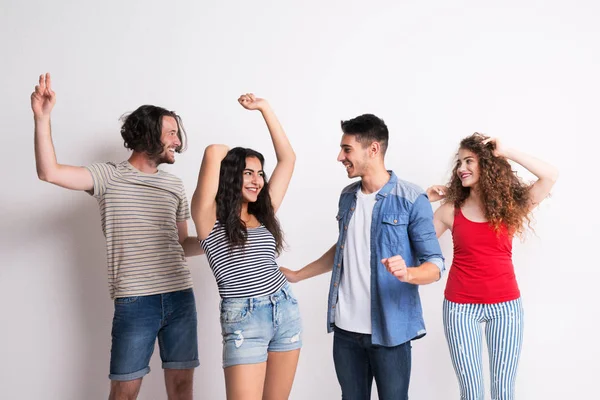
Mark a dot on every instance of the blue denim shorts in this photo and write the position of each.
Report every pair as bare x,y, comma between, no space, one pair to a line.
252,327
139,320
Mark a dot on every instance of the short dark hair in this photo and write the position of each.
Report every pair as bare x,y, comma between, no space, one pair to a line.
142,129
367,128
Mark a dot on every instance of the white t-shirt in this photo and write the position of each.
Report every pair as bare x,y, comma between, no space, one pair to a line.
353,310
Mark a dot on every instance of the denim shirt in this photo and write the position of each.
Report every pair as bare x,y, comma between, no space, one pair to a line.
402,224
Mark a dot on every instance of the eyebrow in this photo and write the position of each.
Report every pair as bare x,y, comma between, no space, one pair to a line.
251,170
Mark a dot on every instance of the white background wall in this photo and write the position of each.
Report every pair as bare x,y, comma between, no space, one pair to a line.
437,71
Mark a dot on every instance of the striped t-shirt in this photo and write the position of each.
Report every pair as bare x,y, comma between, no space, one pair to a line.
139,214
244,271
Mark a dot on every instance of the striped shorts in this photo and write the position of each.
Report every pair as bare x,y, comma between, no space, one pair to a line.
504,336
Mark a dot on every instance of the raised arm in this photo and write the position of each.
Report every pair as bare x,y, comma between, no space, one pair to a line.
48,169
546,173
204,203
286,158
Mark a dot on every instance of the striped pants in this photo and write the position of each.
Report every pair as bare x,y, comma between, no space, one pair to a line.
504,337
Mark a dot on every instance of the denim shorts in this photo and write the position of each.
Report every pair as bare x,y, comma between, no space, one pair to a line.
139,320
252,327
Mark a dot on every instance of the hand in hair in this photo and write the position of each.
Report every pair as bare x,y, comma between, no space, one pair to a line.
499,150
251,102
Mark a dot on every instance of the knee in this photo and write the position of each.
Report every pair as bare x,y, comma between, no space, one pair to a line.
127,390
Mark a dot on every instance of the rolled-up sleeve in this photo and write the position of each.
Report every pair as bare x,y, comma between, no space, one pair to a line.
422,234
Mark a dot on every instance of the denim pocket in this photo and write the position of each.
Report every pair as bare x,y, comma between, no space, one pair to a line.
234,312
394,228
126,300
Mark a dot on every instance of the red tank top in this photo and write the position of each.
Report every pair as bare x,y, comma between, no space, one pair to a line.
482,270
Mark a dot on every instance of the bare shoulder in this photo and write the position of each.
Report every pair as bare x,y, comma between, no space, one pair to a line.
445,213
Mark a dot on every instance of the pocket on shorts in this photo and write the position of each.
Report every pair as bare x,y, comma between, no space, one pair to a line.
234,312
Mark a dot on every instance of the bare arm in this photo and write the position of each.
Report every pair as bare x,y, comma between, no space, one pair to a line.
48,169
443,218
546,173
286,158
191,245
322,265
204,204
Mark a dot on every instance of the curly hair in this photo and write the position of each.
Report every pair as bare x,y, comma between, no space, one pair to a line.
504,196
142,130
229,199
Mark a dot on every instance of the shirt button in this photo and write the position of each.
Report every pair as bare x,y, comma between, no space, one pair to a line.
342,246
339,265
395,221
335,284
346,227
352,209
332,306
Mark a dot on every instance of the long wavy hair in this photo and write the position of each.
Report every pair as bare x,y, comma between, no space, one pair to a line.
229,199
504,196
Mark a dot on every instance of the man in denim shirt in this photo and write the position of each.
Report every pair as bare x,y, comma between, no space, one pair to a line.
386,247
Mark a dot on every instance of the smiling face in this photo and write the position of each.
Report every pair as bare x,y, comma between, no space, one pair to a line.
353,156
253,181
170,140
468,168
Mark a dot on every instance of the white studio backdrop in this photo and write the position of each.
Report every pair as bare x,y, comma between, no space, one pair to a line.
526,71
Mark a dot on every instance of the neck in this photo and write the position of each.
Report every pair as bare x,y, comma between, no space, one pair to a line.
375,180
143,163
244,212
475,196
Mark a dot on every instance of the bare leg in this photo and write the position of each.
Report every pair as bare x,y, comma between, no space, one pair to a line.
245,382
281,369
125,390
179,383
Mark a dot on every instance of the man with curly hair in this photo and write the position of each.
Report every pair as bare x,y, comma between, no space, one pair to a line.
144,214
386,248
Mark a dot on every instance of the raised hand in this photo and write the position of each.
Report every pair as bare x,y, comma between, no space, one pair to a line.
397,267
499,150
436,193
251,102
43,98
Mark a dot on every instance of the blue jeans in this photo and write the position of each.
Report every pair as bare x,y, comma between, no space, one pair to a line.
139,320
254,326
357,361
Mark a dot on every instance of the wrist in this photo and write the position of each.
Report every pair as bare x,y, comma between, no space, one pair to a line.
41,118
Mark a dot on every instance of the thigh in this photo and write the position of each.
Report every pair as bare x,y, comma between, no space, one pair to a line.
462,327
178,337
281,369
504,336
135,326
247,329
245,381
391,369
352,366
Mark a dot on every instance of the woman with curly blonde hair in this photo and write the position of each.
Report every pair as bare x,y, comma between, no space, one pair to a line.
485,205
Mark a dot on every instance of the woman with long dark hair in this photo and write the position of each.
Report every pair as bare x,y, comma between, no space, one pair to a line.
485,205
234,208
